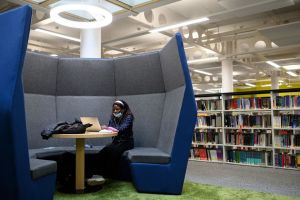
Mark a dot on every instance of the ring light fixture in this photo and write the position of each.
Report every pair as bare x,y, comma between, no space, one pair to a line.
102,16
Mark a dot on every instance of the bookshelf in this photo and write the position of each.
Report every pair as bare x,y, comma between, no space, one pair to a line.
257,128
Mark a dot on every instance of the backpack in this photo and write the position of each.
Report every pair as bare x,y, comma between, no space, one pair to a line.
75,127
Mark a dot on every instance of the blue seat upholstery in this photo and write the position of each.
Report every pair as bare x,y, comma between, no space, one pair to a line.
20,178
176,129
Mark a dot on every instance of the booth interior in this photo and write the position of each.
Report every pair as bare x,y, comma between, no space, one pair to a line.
156,85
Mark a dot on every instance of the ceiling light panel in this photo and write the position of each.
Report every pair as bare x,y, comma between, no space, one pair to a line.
291,67
197,89
292,73
112,52
266,85
273,64
101,17
202,72
251,85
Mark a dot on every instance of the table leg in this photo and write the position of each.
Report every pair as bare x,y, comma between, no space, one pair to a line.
80,165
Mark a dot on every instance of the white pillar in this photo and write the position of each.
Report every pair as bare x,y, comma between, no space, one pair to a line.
90,46
275,80
227,75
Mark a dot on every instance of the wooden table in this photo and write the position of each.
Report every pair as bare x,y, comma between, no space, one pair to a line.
80,153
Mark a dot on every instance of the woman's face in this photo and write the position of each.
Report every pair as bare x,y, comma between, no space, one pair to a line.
116,109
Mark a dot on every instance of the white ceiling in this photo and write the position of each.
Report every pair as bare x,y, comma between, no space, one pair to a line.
248,31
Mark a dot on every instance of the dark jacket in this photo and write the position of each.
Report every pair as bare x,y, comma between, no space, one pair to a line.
124,125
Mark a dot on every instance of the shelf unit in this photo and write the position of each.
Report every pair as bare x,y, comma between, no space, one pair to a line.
257,128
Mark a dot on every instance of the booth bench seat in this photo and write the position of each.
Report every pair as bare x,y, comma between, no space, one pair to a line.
40,168
138,154
147,155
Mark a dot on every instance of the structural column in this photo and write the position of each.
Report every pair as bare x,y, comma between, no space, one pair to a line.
90,46
275,80
227,75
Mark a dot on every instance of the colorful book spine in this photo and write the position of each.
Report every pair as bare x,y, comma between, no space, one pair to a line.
287,160
248,103
291,101
248,157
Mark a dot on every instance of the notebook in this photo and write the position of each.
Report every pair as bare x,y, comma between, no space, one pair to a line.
92,120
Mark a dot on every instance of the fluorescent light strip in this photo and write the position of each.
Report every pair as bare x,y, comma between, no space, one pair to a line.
197,89
273,64
251,85
202,72
266,85
204,60
210,91
250,79
57,35
186,23
189,47
214,90
234,80
291,73
291,67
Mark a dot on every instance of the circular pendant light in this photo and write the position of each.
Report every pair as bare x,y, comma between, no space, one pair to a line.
102,16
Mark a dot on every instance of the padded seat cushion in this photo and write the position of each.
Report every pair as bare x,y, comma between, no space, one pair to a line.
40,168
49,151
56,151
148,155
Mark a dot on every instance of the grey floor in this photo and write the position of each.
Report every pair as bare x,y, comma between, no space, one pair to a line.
286,182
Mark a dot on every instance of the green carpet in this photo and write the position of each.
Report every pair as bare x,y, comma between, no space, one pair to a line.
124,190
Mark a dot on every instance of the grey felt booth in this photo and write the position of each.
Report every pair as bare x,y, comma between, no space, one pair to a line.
61,89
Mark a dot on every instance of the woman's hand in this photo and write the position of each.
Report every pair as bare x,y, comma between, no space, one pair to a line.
112,129
103,127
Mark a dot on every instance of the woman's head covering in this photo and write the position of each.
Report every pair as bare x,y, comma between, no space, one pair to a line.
123,105
119,103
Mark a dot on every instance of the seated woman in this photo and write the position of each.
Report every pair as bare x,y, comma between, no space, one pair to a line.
109,157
